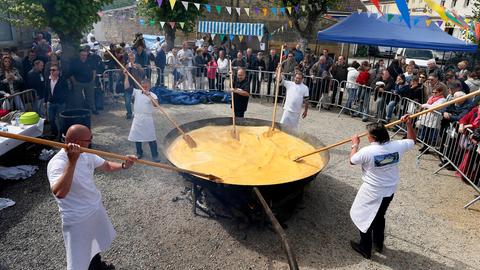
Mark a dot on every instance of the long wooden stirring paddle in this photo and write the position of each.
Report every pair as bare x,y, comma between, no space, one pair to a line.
443,105
188,139
234,131
278,72
107,155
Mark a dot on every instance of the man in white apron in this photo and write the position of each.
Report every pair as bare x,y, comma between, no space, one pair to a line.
143,127
86,228
380,178
296,97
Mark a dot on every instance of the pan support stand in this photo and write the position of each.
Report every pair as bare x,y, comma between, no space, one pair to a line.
194,198
292,261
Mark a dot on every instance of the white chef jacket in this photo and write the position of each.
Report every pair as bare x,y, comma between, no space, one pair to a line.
380,177
296,94
86,228
143,127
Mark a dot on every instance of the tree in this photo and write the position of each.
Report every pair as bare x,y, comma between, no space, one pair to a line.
151,11
304,21
68,19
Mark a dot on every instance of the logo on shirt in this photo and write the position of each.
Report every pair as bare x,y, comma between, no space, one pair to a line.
387,159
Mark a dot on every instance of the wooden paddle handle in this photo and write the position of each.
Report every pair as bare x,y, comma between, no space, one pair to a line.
415,115
141,87
105,154
278,71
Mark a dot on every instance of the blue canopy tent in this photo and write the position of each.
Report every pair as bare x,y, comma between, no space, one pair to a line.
360,28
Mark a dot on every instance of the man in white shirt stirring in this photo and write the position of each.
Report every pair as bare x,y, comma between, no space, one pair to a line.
297,95
380,177
86,228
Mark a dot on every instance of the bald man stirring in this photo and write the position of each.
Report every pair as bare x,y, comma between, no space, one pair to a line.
86,228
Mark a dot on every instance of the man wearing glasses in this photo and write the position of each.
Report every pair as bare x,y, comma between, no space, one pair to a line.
57,90
86,227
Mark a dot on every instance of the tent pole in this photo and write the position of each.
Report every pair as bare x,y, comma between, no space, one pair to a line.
444,63
391,49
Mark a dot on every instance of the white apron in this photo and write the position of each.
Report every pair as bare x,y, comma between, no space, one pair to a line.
366,205
86,239
290,120
143,127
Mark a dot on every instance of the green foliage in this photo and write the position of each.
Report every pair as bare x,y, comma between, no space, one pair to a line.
150,10
69,19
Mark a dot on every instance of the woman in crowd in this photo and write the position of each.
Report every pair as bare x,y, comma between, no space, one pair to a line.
11,81
473,81
199,62
305,66
408,73
430,123
351,85
401,89
471,121
212,73
223,66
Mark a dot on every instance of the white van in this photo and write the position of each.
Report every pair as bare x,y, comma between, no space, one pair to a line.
419,56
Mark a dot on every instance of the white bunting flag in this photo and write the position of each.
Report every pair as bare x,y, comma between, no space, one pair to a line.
260,38
213,36
238,10
310,6
229,9
359,11
379,15
304,8
162,24
182,24
247,10
197,5
185,4
369,13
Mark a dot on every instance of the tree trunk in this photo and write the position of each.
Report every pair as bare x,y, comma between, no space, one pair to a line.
70,48
303,43
169,36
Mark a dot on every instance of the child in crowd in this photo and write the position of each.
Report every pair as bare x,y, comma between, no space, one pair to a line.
143,128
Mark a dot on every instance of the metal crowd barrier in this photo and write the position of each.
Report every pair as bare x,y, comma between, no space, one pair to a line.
112,80
23,101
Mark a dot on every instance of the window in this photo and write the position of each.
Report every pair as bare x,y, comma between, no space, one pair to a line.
454,3
418,54
5,32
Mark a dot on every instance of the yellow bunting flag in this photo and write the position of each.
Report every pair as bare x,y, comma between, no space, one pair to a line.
428,22
289,10
440,10
290,23
265,11
172,3
240,38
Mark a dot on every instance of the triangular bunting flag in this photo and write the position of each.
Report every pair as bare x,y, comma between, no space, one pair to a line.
172,24
159,2
369,13
282,10
260,38
297,8
182,24
162,24
185,4
317,5
310,6
400,18
282,29
142,22
415,21
197,5
289,9
238,10
152,22
390,17
240,38
265,12
247,10
219,9
208,7
290,23
477,30
359,10
249,38
172,3
232,37
213,36
379,15
428,22
222,37
100,13
304,8
229,9
257,10
274,11
439,23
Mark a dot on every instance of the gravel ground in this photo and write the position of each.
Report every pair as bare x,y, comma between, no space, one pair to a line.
426,225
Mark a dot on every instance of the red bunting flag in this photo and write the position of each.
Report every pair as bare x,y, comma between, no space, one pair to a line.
377,5
172,24
477,30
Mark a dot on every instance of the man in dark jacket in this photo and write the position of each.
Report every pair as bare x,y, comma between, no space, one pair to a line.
252,67
82,74
241,92
56,96
36,81
160,62
271,64
27,63
381,87
339,73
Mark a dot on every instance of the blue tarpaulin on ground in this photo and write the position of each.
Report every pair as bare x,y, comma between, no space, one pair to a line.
361,28
167,96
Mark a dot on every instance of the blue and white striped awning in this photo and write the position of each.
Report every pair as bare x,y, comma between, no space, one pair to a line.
229,28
